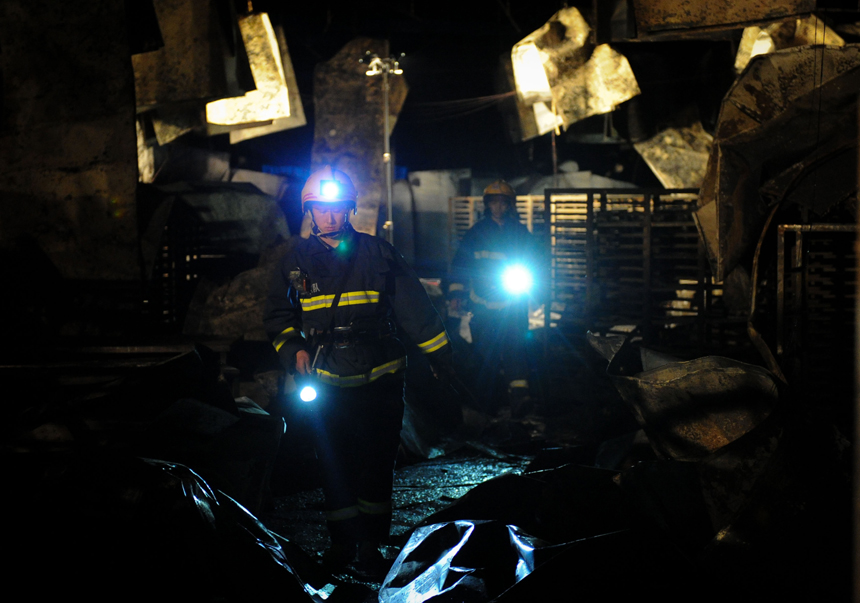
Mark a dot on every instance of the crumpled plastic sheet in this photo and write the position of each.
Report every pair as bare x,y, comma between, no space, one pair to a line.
462,561
141,529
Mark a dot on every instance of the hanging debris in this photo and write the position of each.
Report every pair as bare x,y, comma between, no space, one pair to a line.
564,77
678,156
803,31
791,104
663,16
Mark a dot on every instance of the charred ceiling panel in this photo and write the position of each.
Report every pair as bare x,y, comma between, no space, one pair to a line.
678,156
68,161
784,34
788,112
297,112
349,123
657,16
564,77
196,62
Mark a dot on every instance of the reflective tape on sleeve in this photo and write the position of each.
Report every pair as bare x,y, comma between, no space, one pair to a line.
348,298
434,344
490,255
374,508
342,514
362,379
282,338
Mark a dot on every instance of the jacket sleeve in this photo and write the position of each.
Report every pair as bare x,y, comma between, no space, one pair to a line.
283,315
461,266
414,311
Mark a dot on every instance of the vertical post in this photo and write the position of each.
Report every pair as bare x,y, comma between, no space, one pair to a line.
780,290
590,293
646,267
856,493
548,274
386,157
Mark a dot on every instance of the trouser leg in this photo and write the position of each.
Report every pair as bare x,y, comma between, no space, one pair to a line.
358,433
379,442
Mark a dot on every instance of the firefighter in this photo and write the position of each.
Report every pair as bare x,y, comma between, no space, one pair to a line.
499,323
335,313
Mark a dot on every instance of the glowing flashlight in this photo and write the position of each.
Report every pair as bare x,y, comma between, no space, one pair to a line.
517,279
308,393
329,189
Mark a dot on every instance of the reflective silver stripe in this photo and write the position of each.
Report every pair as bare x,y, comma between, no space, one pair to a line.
456,287
434,344
374,508
342,514
355,380
281,339
518,383
348,298
490,305
490,255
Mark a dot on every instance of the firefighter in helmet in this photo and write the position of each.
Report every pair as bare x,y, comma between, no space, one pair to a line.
335,313
491,276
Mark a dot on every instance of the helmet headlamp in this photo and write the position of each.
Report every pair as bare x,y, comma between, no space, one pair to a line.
329,189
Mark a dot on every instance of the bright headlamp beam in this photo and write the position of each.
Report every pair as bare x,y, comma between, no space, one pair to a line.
308,394
517,279
329,189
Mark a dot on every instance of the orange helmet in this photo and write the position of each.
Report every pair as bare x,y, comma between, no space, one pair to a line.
328,185
500,187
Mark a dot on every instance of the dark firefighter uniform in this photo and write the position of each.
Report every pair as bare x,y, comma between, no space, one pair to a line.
358,364
500,321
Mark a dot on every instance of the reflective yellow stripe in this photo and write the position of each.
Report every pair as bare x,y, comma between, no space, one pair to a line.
281,339
490,305
518,383
456,287
434,344
374,508
490,255
348,298
355,380
342,514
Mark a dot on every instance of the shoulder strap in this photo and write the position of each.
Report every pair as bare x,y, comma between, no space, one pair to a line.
349,265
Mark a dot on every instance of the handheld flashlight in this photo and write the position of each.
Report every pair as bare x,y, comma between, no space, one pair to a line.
308,393
517,279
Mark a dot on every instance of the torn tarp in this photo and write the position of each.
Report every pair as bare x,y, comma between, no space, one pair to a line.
462,561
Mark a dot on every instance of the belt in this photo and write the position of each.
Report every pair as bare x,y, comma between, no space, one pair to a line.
356,332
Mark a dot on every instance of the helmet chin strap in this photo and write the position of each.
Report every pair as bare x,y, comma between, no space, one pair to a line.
337,234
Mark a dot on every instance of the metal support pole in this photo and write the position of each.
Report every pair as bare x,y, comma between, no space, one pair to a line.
375,66
386,159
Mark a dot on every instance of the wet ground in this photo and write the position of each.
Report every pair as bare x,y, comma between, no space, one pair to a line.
575,407
420,490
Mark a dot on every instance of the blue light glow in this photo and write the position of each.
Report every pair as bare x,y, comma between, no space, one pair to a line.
517,279
330,189
308,394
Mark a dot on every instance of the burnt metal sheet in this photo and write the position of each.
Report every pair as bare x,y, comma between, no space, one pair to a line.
786,107
654,16
802,31
270,100
604,82
690,409
579,78
297,111
678,156
196,61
